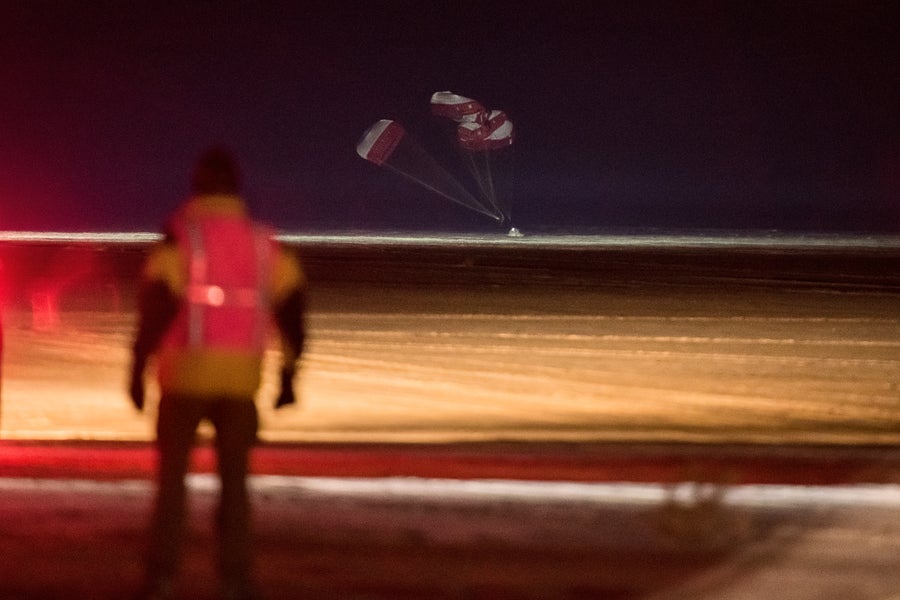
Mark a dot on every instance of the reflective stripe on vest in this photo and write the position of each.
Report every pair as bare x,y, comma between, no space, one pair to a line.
203,297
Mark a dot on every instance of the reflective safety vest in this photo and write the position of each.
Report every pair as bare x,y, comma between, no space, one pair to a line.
226,305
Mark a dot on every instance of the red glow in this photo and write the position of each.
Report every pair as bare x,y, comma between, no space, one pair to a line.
68,271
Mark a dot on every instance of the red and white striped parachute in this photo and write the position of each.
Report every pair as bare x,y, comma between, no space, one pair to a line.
387,144
479,129
380,140
479,133
456,107
492,133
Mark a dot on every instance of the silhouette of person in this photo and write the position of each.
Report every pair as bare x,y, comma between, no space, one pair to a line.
209,292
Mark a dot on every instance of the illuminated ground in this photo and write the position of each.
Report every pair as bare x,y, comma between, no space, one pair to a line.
760,346
734,368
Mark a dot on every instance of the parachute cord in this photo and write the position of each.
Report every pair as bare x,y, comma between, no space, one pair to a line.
474,206
492,192
485,185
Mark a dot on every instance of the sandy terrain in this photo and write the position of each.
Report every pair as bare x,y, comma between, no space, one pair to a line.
592,346
609,367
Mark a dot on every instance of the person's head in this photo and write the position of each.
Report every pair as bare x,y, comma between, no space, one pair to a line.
216,172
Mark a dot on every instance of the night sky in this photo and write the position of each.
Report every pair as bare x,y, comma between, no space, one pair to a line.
747,115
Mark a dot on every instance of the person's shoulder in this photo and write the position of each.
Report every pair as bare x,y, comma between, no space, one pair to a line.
164,263
289,258
287,272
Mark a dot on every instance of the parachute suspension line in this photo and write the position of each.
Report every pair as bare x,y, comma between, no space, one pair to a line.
481,170
489,185
475,207
387,145
473,168
478,130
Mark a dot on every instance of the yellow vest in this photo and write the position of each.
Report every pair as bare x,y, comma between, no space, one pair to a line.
199,371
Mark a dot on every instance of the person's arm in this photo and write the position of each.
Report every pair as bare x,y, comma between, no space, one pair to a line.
157,308
289,313
289,316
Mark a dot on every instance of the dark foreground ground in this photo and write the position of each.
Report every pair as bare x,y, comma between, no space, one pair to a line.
410,521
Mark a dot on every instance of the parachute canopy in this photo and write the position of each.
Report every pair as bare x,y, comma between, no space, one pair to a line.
494,132
478,128
456,107
380,140
387,144
479,133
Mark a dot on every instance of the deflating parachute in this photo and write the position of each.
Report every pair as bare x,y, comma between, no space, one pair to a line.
492,133
456,107
478,128
380,141
387,144
480,133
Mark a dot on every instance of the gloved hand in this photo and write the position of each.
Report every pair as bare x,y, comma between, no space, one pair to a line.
286,395
136,389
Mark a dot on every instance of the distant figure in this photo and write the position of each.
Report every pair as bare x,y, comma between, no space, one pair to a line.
208,294
67,271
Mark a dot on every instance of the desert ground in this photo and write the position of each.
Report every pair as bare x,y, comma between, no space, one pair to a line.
728,418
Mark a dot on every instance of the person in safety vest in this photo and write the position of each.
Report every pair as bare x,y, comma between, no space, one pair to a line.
209,292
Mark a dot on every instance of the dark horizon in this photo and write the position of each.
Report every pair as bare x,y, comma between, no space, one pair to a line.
695,116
